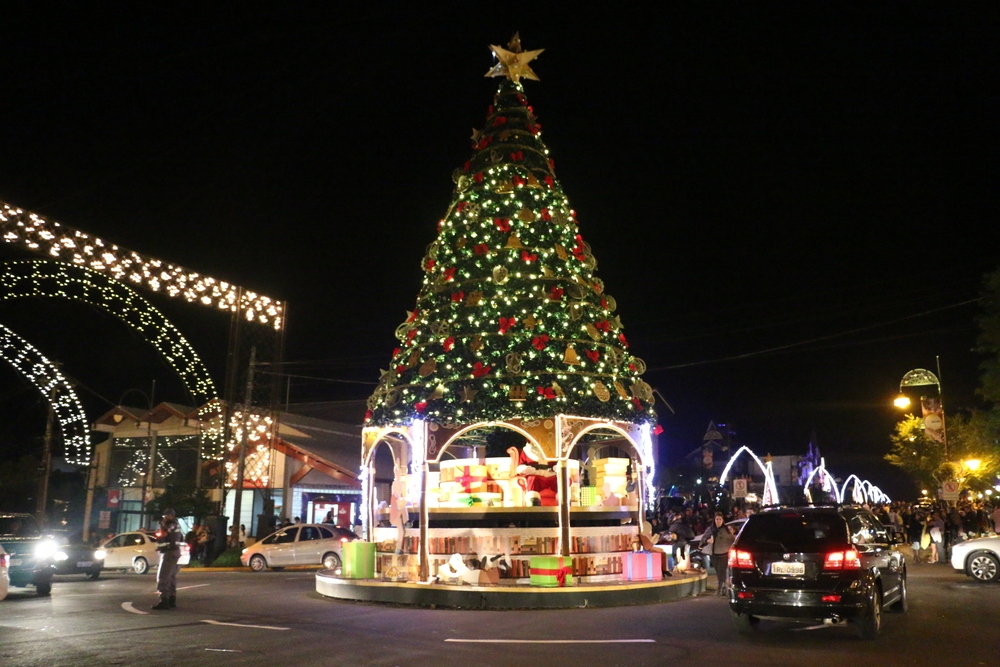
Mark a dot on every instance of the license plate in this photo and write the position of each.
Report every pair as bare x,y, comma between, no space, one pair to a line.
792,569
84,563
14,562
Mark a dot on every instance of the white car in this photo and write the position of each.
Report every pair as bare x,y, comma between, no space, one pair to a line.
300,544
979,558
4,578
134,551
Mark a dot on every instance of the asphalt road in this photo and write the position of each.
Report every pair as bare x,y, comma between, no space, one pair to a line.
277,619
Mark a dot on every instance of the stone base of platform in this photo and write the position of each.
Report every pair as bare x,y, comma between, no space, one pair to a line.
616,594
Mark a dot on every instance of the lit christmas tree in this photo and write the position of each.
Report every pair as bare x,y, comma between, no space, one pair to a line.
511,320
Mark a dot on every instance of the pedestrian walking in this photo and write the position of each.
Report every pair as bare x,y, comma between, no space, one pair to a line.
719,542
169,538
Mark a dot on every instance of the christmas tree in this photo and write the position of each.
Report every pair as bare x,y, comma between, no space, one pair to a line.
511,320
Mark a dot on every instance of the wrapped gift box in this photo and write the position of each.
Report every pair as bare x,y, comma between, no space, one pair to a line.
643,566
550,571
397,567
358,560
588,496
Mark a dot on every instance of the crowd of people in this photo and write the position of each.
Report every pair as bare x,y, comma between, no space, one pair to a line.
698,537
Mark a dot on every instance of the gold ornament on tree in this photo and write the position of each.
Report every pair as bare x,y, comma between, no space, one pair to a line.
438,392
476,343
570,356
602,392
513,360
518,392
513,243
530,322
621,390
428,367
474,298
526,215
592,331
468,393
500,274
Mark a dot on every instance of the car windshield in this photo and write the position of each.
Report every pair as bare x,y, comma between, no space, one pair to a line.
794,532
18,526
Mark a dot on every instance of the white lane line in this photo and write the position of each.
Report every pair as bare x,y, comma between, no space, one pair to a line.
184,588
245,625
127,606
224,650
553,641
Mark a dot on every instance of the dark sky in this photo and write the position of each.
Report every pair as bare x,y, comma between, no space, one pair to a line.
789,204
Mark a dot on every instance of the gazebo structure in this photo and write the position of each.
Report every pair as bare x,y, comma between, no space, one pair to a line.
513,419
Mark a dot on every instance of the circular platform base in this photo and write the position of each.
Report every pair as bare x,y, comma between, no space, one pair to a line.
511,597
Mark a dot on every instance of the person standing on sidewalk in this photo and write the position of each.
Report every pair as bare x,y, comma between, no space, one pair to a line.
719,541
168,538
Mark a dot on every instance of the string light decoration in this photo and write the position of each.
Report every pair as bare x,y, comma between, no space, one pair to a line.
52,384
48,279
259,429
511,319
65,244
137,468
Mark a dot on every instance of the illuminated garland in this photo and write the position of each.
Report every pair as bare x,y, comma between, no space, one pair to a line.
44,375
32,231
138,467
511,320
49,279
257,462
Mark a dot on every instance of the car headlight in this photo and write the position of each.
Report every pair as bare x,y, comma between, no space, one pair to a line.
45,550
100,554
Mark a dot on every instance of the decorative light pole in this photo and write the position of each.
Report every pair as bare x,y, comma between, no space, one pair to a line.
926,387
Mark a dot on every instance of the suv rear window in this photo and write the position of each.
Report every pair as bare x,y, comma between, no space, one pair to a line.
18,526
793,532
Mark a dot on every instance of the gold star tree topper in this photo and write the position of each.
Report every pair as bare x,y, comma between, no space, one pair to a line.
512,62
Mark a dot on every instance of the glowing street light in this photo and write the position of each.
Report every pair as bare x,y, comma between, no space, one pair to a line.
972,464
902,401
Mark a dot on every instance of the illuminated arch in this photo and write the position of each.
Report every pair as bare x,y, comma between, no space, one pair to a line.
44,375
473,427
770,488
47,279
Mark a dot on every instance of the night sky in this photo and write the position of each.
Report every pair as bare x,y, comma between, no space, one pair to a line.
793,206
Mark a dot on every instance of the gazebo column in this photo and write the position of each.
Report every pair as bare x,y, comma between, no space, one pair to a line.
424,519
565,498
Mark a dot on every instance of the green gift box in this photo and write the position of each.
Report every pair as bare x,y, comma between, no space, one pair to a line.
588,496
550,571
358,560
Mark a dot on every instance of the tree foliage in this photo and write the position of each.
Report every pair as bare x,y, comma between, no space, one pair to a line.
988,342
916,453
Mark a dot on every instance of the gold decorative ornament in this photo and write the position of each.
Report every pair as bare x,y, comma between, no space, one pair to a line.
428,367
476,343
642,391
530,322
612,304
441,328
561,252
391,398
495,156
592,331
639,364
473,210
505,135
557,389
576,310
460,243
621,390
477,134
547,272
500,274
403,329
414,358
602,392
468,393
513,243
533,181
570,357
513,360
598,285
512,62
438,392
526,215
575,291
504,187
616,323
474,298
615,356
518,392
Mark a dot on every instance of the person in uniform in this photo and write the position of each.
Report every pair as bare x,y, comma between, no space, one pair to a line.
168,539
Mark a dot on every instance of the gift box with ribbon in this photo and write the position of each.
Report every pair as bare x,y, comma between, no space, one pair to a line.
643,566
550,571
471,478
588,496
358,560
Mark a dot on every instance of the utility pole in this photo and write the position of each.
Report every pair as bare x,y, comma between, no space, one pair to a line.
148,485
46,466
91,484
234,532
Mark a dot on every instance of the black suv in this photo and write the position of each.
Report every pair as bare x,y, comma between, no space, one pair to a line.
31,557
829,564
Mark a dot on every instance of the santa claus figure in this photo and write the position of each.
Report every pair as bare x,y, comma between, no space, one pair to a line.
532,466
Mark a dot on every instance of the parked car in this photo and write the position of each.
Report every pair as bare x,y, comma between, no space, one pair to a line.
134,551
302,544
979,558
30,557
830,564
73,556
4,579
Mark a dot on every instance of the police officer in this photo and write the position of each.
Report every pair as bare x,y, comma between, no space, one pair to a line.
169,539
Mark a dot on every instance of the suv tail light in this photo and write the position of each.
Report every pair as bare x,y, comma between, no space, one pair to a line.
848,559
740,560
4,560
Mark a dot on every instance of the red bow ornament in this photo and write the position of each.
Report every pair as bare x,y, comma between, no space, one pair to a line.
506,324
503,224
546,392
448,343
539,342
478,370
528,256
556,293
593,355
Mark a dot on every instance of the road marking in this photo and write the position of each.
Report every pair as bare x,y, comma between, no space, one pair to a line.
127,606
224,650
244,625
184,588
553,641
